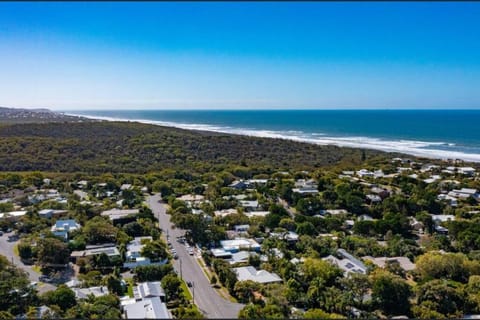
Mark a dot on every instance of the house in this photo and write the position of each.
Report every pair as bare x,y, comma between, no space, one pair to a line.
432,179
373,198
192,199
439,218
81,194
381,192
333,212
82,183
48,213
441,230
125,186
241,228
378,174
61,228
241,257
249,204
429,167
225,212
365,217
13,215
348,263
252,214
465,193
404,262
133,256
83,293
256,182
221,253
109,249
468,171
289,236
416,225
149,308
116,215
260,276
303,186
240,244
149,290
451,200
238,184
364,173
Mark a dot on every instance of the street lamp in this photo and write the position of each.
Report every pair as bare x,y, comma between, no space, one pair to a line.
193,291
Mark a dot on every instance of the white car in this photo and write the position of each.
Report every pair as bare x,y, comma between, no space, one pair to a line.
190,251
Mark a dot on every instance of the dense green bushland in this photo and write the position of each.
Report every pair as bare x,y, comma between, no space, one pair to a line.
99,147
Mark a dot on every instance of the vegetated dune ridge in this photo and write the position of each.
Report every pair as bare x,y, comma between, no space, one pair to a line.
98,147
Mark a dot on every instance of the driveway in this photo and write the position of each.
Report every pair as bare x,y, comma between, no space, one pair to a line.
209,302
6,249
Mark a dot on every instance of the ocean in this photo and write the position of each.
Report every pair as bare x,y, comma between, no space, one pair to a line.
443,134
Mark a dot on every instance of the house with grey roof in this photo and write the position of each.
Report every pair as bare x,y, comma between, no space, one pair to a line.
149,290
348,263
260,276
83,293
149,308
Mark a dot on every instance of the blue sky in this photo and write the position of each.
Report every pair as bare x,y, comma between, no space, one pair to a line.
108,55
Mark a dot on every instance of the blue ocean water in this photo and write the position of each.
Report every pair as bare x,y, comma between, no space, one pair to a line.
453,134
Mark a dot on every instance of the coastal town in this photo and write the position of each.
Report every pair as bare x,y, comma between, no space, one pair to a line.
397,238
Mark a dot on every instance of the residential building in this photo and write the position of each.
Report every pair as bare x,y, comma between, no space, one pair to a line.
149,308
404,262
240,244
61,228
464,193
149,290
349,264
83,293
118,214
260,276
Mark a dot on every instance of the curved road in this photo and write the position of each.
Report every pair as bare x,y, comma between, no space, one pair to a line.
7,249
205,297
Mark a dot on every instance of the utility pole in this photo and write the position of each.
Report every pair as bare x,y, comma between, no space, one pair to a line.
180,260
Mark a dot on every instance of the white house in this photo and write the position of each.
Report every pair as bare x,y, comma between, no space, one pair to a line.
118,214
464,193
149,290
364,173
260,276
240,244
83,293
469,171
149,308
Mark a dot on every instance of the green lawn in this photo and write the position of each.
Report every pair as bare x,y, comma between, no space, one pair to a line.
15,250
129,281
186,292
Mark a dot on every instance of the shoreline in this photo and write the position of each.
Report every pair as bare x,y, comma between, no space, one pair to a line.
409,147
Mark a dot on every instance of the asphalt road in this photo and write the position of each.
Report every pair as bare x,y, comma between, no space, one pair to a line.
6,249
209,302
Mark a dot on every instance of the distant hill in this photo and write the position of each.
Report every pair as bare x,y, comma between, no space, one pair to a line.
98,147
17,115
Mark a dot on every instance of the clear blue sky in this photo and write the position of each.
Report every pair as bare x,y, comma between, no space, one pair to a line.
83,55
